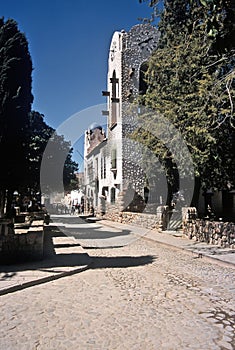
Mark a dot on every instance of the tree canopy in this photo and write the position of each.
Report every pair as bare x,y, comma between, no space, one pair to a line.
15,101
15,104
39,135
191,83
23,133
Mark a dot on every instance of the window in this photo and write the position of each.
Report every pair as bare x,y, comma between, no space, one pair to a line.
90,171
103,168
114,159
97,167
113,195
142,79
114,99
104,163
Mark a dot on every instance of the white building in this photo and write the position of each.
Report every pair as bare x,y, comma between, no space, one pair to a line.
109,171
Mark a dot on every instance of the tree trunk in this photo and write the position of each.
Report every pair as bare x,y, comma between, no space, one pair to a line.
9,200
196,193
2,202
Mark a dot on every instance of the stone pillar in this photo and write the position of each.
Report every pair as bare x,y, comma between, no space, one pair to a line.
189,216
163,216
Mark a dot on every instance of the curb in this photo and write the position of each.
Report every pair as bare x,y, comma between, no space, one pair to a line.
42,280
193,252
199,255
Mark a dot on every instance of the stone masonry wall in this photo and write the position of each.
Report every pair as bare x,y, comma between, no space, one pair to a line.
23,244
212,232
140,42
150,221
144,220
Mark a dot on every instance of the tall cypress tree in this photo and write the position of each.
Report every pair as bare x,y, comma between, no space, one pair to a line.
15,104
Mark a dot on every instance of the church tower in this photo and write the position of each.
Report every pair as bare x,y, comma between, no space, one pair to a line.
127,64
109,169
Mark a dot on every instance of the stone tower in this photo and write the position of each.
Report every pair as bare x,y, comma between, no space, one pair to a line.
110,173
128,55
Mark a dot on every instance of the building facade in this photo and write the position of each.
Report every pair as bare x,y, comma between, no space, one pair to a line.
113,176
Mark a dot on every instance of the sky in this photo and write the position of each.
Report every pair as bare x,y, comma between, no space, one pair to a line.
68,43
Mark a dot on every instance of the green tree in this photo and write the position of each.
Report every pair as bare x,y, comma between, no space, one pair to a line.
39,135
70,167
15,104
23,134
191,83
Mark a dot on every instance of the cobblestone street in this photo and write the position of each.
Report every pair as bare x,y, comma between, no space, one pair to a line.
140,296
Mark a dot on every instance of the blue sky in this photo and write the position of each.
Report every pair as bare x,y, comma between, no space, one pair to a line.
69,42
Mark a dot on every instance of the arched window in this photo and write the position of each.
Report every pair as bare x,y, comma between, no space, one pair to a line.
142,79
114,99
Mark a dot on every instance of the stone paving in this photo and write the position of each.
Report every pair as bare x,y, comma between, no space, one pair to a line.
142,295
63,256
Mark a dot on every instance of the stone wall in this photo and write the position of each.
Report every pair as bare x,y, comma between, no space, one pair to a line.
6,227
212,232
23,244
140,219
149,221
141,41
209,231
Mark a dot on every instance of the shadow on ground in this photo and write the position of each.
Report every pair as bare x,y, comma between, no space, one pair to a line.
121,261
55,263
210,250
86,230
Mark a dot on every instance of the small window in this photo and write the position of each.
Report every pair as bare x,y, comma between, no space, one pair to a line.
114,159
142,79
104,164
90,171
97,167
114,98
101,168
113,195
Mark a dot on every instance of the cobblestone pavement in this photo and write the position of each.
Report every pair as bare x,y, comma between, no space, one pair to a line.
141,296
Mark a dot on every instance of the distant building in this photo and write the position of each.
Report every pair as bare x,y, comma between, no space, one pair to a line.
111,177
81,180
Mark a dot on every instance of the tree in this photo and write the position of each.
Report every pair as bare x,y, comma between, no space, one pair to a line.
70,167
191,83
15,104
23,134
39,136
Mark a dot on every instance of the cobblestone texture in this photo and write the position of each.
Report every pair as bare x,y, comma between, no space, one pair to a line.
126,301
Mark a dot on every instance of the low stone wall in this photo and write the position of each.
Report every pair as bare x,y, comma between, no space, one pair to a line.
6,227
144,220
23,244
212,232
28,217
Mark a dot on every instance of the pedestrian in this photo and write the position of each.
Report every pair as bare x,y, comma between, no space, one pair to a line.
72,210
